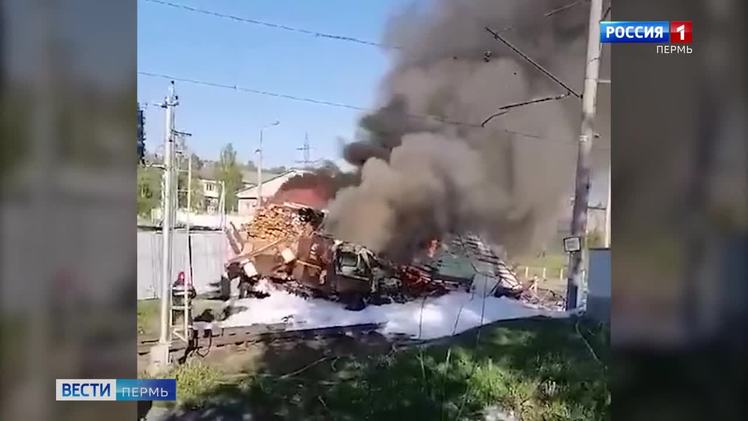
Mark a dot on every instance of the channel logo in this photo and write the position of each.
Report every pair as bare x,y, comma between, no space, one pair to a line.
116,389
655,32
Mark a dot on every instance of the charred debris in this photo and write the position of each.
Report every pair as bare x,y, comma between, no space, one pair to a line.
289,245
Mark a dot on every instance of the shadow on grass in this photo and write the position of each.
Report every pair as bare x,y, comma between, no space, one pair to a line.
537,369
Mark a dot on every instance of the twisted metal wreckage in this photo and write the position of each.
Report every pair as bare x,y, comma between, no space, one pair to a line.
288,244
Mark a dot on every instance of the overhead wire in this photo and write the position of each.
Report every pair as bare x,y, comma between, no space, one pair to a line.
506,108
297,98
533,62
274,25
319,34
315,101
502,110
563,8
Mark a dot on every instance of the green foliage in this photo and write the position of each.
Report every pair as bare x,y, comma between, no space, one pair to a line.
194,379
147,316
537,374
197,199
228,170
197,163
149,189
536,369
552,262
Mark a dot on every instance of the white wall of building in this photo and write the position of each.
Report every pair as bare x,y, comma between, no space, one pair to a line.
209,253
208,220
211,194
247,206
248,197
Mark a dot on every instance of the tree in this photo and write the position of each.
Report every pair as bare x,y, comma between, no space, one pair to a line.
197,163
250,166
149,189
197,201
229,172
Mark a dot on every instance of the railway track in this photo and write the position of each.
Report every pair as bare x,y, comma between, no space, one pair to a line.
218,337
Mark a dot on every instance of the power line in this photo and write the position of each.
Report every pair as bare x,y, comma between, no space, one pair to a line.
274,25
309,100
607,12
505,109
563,8
533,62
254,91
318,34
238,88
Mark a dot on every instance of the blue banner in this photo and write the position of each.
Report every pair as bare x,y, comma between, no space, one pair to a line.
656,32
146,389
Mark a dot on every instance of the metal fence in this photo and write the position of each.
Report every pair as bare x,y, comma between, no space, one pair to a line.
553,279
209,253
527,272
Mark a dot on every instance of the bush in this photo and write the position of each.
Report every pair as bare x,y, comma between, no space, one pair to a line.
194,380
533,369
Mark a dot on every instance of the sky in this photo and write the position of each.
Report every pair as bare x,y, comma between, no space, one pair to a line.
185,44
191,45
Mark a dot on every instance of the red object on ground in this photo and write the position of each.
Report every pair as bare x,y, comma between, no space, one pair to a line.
417,281
180,279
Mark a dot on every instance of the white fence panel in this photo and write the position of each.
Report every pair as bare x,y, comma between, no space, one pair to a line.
209,252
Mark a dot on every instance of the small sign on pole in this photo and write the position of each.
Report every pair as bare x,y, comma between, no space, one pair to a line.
572,244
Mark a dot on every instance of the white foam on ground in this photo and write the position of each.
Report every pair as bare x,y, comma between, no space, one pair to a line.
433,318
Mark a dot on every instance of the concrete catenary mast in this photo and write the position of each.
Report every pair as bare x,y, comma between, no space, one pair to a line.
582,182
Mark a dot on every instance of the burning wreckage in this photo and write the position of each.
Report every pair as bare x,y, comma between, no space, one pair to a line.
288,245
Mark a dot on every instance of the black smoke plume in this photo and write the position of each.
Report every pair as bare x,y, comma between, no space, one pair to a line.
423,177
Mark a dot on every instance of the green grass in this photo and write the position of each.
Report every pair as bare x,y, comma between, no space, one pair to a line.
148,317
149,313
537,369
553,262
194,379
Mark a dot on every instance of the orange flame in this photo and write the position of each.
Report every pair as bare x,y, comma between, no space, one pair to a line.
433,247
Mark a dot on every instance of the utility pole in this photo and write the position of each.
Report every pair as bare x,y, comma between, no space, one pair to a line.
259,173
305,149
188,282
189,190
259,164
182,332
582,183
160,352
182,151
222,204
607,209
